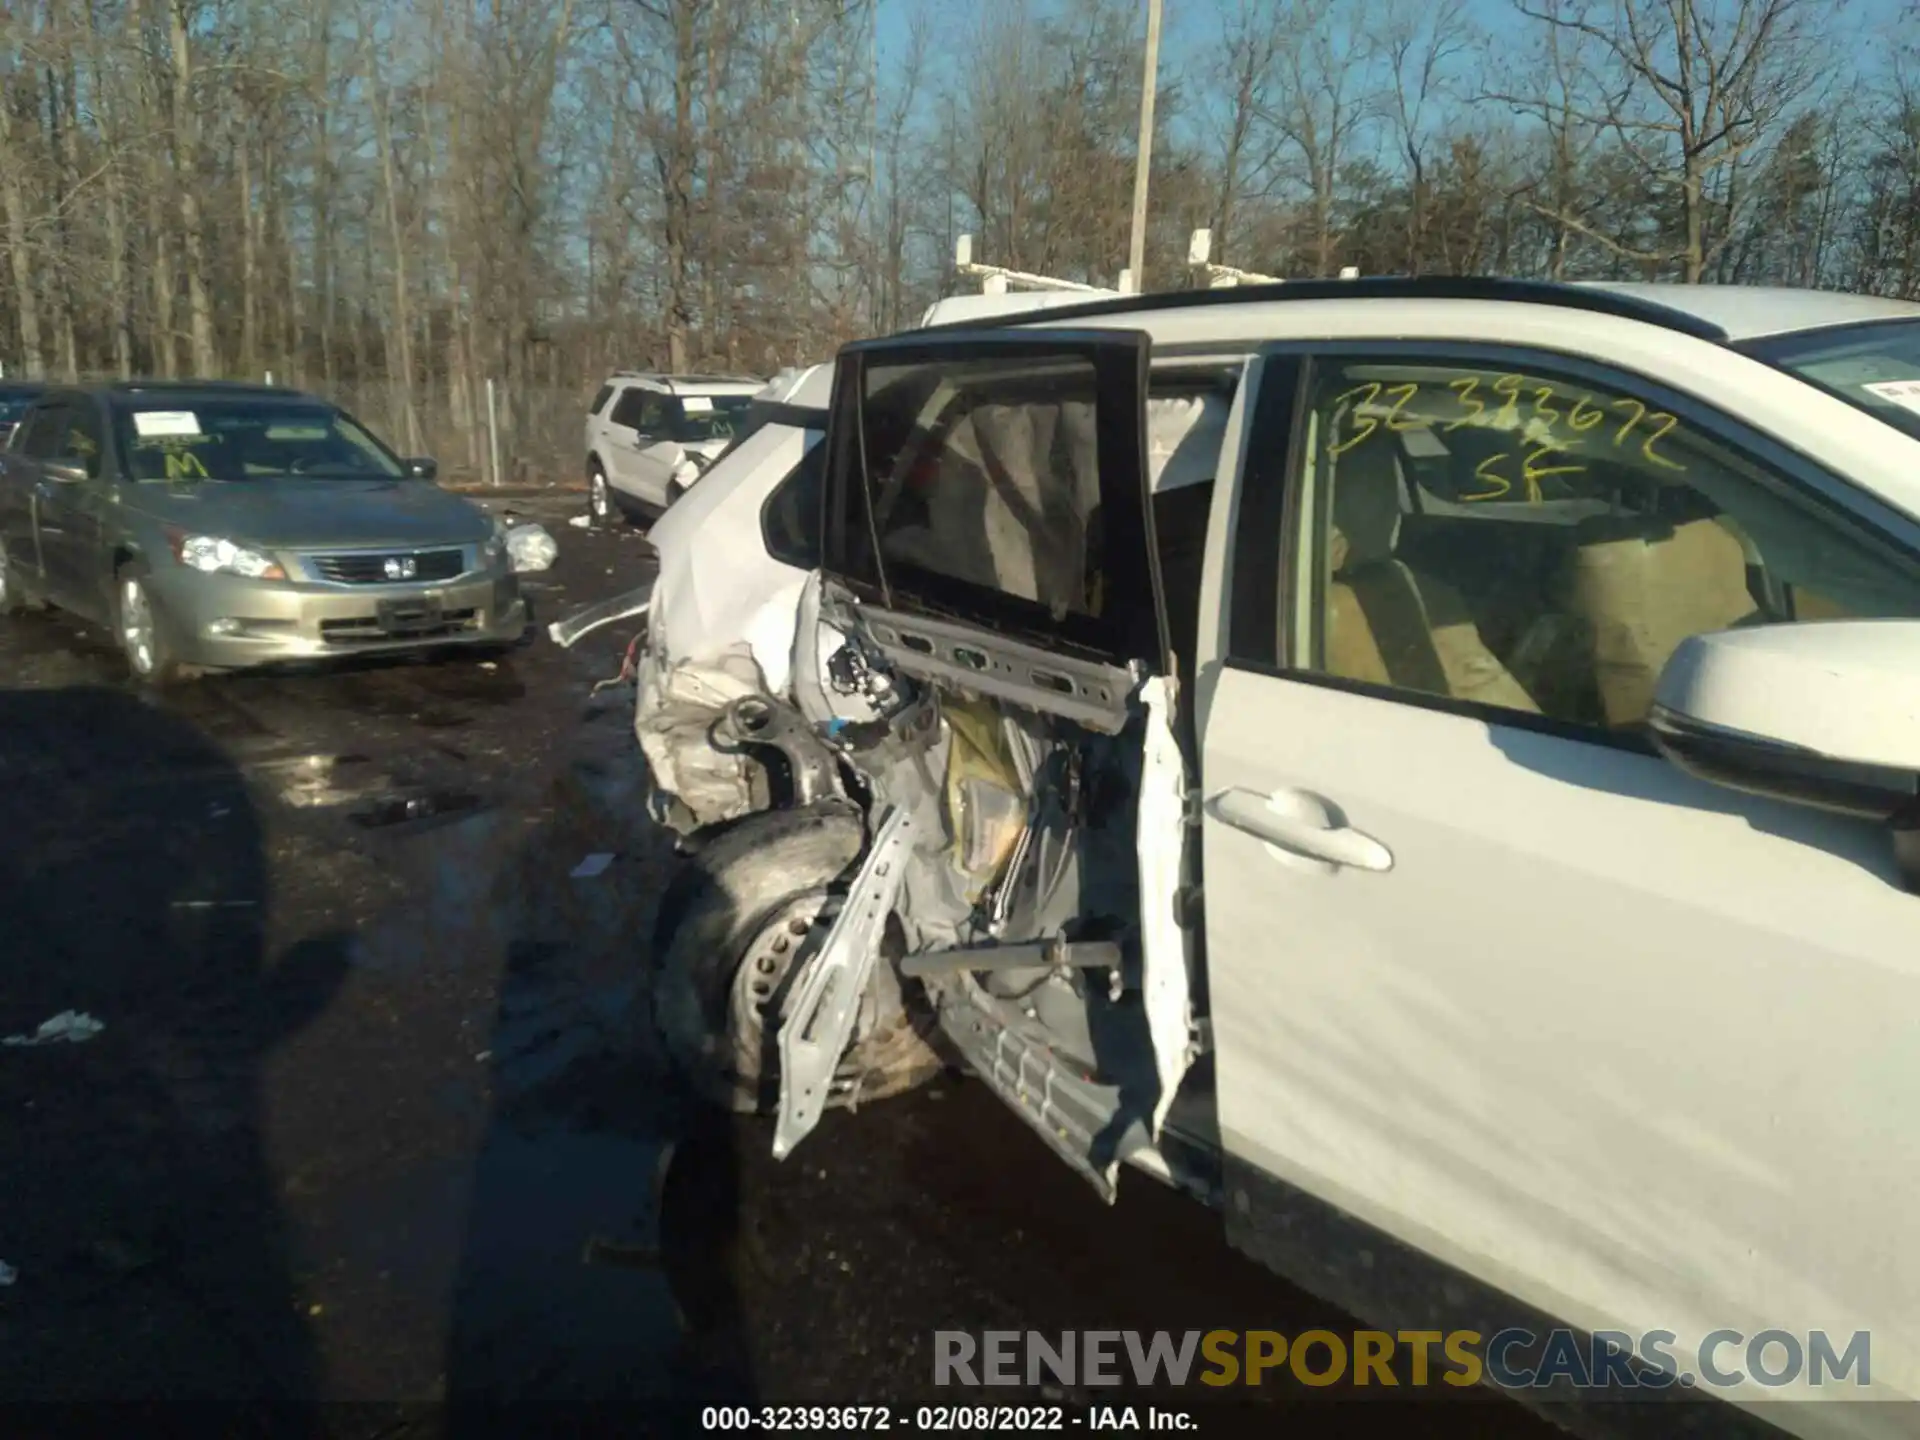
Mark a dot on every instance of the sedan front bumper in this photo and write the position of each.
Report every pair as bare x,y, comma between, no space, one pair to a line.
231,622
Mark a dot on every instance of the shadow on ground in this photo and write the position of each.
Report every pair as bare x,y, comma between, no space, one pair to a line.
139,1212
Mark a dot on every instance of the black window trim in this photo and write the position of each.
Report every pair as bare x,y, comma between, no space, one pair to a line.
50,402
813,451
87,409
620,398
1121,361
1852,507
663,406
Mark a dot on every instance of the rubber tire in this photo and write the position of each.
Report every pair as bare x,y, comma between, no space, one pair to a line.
724,893
595,473
12,602
167,669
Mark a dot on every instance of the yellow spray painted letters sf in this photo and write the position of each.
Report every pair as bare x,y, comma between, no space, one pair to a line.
1532,472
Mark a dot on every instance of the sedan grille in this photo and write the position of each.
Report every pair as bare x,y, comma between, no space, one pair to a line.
388,567
372,628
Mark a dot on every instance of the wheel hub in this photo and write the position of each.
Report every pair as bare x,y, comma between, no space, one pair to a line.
761,984
136,626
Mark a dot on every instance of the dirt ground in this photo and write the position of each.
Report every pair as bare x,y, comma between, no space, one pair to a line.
372,1120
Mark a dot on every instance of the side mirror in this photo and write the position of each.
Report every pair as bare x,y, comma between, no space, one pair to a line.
422,467
1823,713
67,470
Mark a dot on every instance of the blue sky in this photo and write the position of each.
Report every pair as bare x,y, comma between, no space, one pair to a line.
1189,27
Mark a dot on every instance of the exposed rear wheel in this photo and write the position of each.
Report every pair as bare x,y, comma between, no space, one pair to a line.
734,929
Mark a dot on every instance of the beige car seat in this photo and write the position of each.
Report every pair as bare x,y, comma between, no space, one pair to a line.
1643,590
1386,622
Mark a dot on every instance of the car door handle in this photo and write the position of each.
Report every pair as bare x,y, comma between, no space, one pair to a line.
1300,822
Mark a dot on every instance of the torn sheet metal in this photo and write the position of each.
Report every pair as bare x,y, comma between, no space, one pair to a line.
724,584
676,711
827,991
570,628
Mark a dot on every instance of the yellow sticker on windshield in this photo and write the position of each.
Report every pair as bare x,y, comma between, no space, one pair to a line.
185,465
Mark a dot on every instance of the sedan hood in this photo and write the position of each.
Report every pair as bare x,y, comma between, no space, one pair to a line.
305,514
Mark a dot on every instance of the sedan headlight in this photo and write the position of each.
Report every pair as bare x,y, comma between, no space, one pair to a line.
213,554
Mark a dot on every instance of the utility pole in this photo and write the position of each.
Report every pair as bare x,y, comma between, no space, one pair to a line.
1143,163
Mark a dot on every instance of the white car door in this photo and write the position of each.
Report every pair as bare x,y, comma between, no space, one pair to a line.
657,452
1485,972
622,441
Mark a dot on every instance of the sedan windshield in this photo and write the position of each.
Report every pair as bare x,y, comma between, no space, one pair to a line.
1874,366
198,438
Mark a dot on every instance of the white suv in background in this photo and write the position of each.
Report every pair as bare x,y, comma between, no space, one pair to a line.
649,437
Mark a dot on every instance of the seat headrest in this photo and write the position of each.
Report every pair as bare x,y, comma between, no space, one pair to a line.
1368,502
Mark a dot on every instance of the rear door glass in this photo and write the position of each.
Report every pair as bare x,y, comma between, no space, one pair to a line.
42,431
627,410
1000,479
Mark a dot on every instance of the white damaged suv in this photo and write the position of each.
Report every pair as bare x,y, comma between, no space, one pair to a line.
1429,767
649,437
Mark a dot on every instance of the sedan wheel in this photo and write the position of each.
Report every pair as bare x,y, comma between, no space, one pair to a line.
142,639
597,497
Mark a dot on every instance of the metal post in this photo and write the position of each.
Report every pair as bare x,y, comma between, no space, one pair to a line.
1143,163
493,434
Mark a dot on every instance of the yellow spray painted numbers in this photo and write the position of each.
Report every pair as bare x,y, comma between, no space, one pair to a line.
1661,422
1545,412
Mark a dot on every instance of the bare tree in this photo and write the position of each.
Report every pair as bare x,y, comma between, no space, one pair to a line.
1249,45
1691,87
1420,46
1322,101
400,201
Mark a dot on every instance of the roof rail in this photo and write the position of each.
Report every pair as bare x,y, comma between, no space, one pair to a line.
1386,287
997,279
1222,277
691,377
